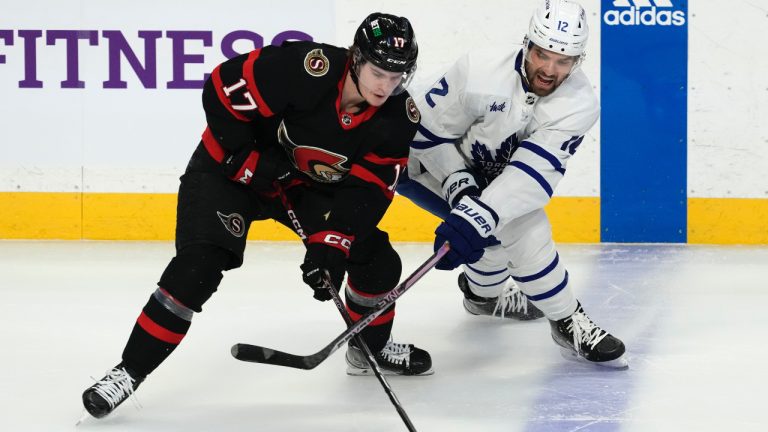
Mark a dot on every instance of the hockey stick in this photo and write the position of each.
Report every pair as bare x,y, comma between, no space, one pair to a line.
259,354
345,316
369,357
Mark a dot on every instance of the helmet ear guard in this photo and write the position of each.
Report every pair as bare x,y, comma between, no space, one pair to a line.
387,42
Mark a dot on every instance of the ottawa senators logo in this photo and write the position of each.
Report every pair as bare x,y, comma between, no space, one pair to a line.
316,63
319,164
413,112
234,223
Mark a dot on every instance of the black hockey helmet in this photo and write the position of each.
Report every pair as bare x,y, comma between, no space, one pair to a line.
386,41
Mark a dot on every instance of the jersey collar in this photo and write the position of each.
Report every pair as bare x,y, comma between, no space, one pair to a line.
349,120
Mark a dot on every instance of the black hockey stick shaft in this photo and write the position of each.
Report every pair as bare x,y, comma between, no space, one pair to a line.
369,357
259,354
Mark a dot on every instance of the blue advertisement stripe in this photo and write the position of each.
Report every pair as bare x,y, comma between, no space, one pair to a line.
643,129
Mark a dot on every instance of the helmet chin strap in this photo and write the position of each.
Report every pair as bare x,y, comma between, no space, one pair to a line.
353,72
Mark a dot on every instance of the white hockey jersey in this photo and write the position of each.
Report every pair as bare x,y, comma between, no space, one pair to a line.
480,115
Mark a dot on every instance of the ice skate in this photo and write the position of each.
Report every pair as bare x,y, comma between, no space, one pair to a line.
394,359
581,339
511,303
103,397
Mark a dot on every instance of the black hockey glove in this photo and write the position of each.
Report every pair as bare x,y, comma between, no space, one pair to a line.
460,184
258,169
325,261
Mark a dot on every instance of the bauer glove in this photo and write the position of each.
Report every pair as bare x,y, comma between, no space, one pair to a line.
469,230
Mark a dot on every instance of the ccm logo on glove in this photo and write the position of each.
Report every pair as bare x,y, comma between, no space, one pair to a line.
333,239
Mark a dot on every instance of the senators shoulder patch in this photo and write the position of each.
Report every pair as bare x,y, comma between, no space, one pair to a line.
413,112
316,63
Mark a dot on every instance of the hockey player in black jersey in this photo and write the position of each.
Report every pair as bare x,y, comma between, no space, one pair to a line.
320,129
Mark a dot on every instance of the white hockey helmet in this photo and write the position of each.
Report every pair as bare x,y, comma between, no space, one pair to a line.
559,26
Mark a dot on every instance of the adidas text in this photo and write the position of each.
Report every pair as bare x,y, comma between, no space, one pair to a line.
645,16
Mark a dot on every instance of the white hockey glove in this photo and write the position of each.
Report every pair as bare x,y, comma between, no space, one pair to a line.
459,184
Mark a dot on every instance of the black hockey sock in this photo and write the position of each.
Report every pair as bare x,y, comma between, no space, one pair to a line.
376,334
162,325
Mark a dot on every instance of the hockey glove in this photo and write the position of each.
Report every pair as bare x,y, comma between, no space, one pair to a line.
468,229
460,183
258,169
325,261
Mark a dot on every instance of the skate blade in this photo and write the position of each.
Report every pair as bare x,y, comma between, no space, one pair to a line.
619,363
84,416
355,371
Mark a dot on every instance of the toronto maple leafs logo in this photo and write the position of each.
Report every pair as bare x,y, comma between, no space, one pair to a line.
492,165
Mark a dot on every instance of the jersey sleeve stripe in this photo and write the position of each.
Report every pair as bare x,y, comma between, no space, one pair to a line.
426,133
544,154
219,86
213,146
250,79
535,175
365,175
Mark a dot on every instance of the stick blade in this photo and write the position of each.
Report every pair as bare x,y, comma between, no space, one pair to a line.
258,354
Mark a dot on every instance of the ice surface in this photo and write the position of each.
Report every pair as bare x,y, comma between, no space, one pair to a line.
693,319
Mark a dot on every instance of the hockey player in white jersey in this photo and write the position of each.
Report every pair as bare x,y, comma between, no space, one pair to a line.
496,134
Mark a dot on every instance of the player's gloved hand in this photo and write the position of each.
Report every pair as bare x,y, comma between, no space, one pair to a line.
325,261
259,169
459,184
469,230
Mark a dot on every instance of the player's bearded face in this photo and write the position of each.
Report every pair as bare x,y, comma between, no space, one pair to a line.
546,70
377,84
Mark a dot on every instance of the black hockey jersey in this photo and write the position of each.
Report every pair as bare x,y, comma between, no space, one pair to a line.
290,96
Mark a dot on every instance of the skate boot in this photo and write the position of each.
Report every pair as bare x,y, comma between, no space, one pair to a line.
511,303
103,397
394,359
581,339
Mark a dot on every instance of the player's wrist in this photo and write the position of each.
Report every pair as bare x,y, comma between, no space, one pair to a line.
458,185
333,239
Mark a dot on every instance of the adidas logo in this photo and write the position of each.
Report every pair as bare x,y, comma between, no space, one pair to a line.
644,12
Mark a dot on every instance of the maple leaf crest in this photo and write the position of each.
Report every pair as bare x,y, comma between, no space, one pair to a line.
492,165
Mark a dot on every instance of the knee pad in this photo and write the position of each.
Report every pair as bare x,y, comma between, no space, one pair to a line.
375,267
194,274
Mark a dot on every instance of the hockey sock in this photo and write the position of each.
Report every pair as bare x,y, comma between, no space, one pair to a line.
160,328
359,303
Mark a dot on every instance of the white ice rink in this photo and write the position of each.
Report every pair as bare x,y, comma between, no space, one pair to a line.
693,319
